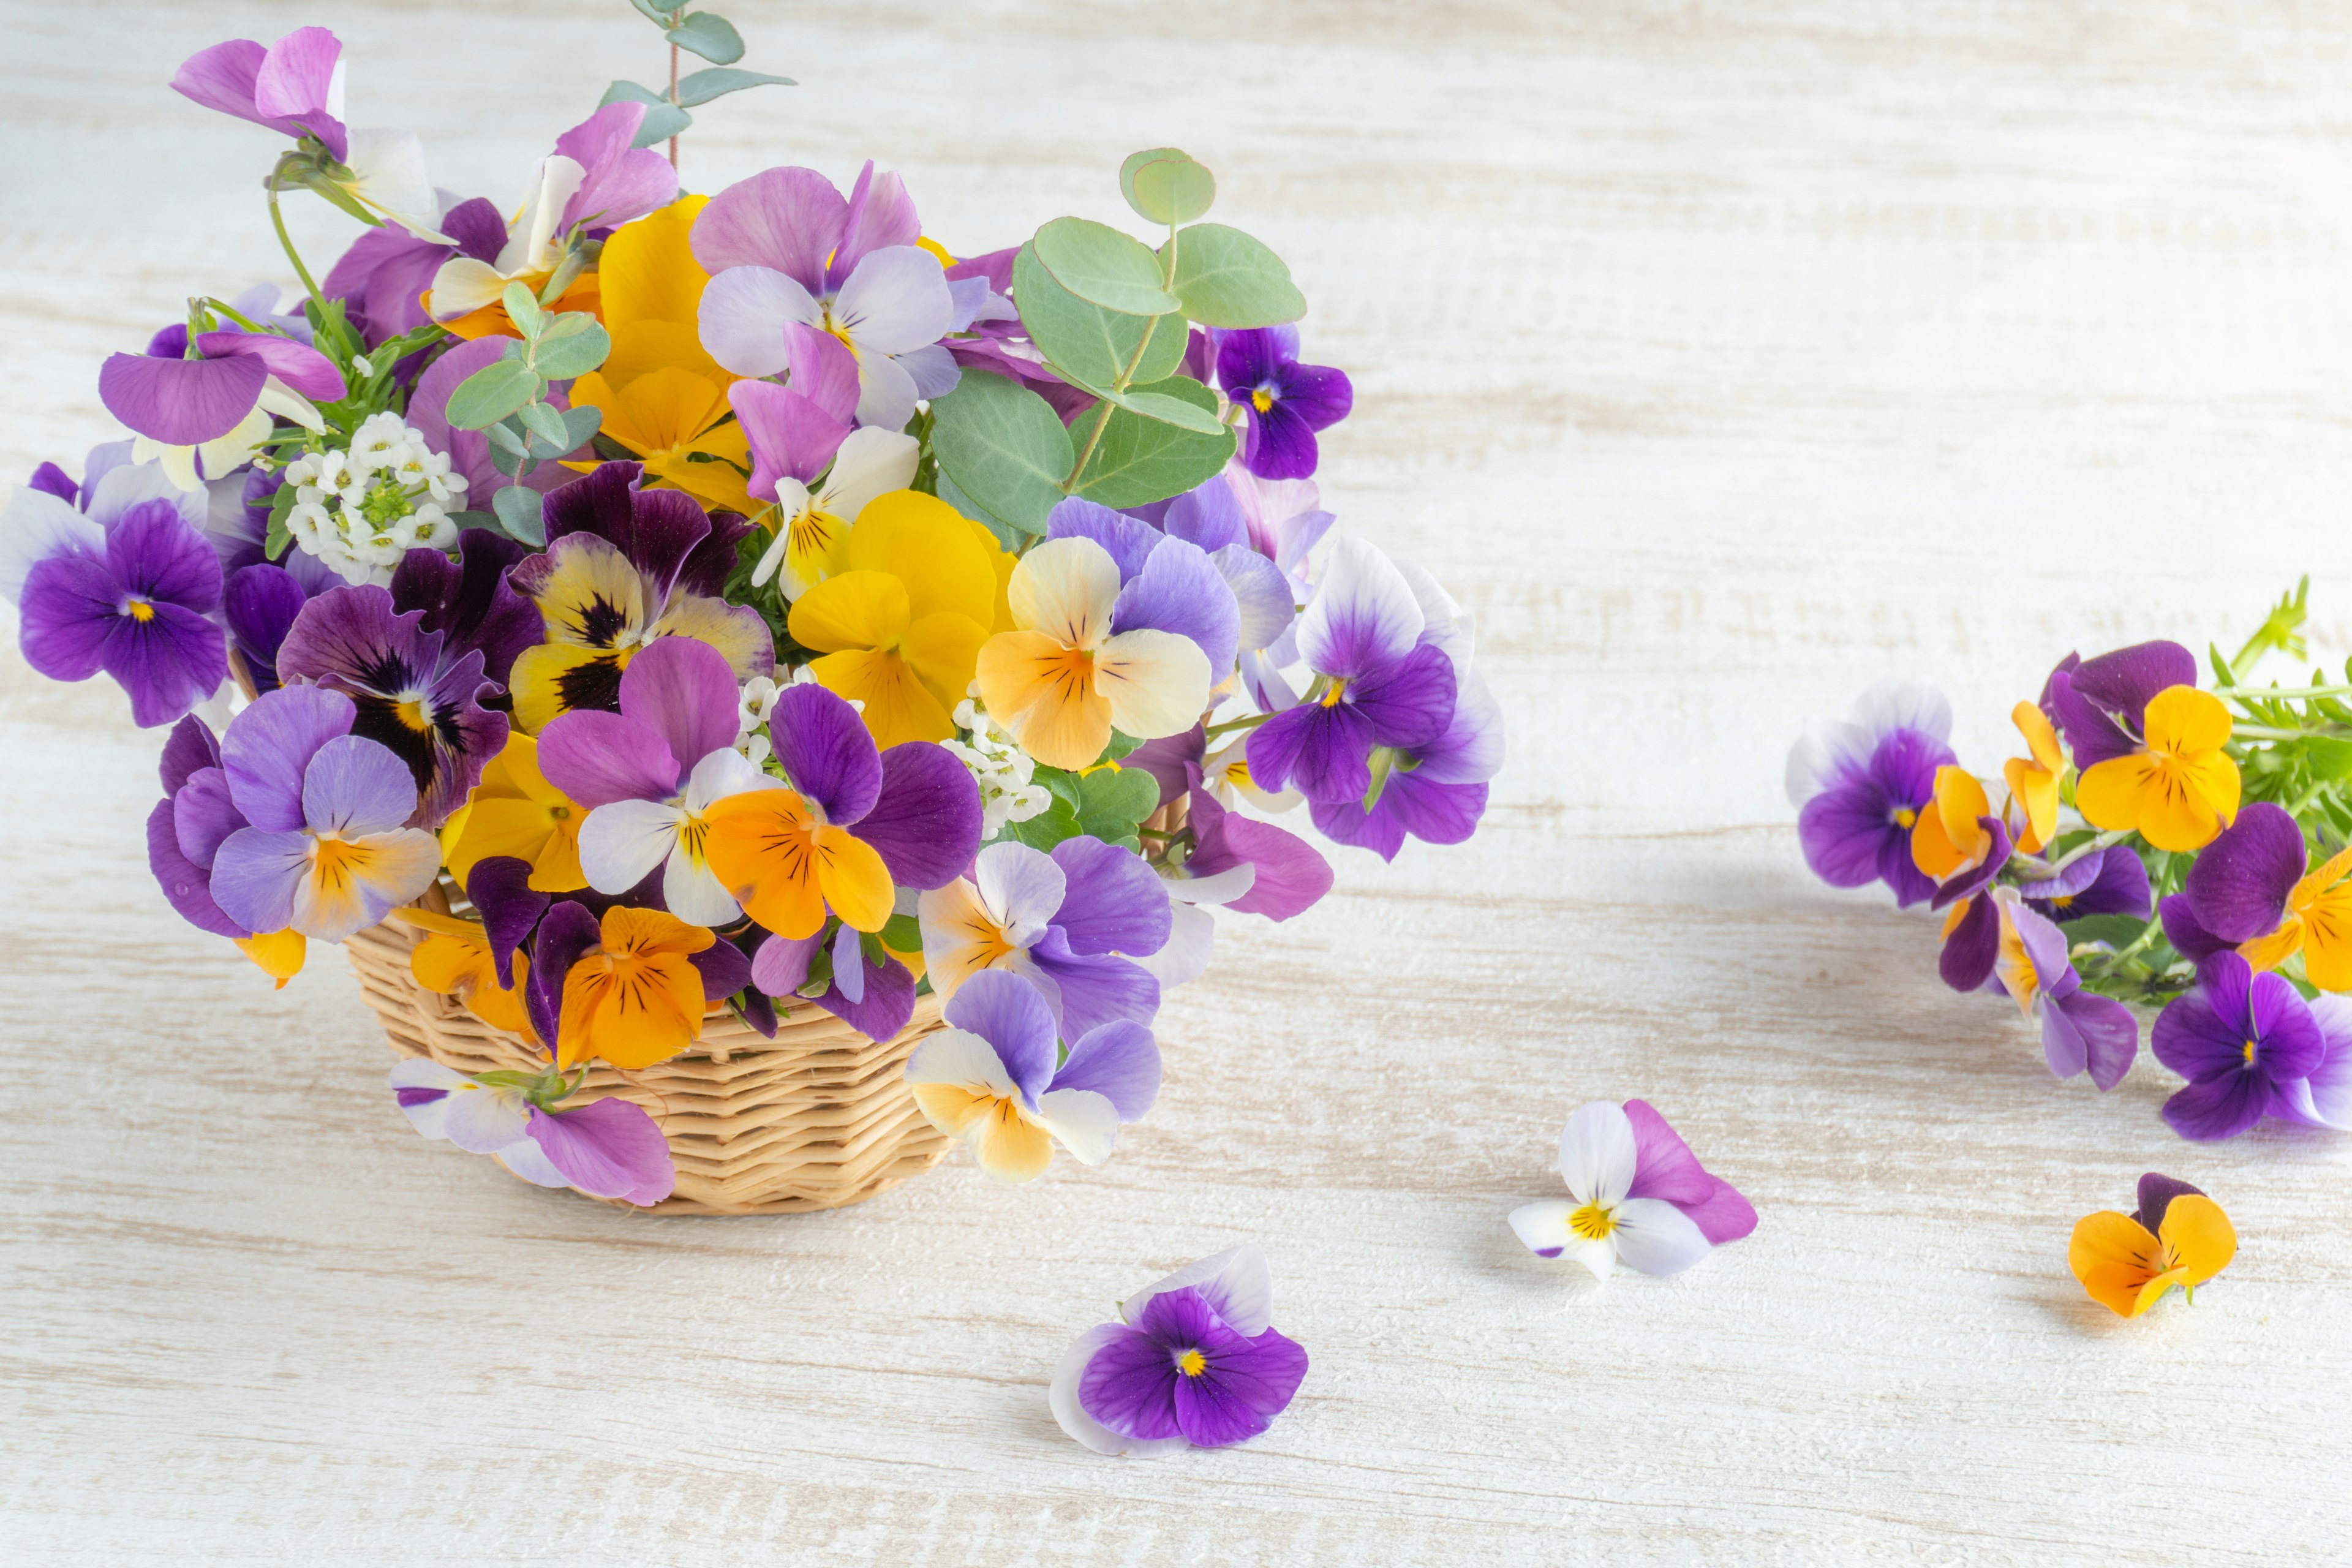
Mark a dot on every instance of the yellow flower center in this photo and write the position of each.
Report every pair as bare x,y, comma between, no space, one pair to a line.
1905,817
415,713
839,333
2062,901
1191,1363
1592,1222
1261,400
334,862
140,610
2250,1053
1331,696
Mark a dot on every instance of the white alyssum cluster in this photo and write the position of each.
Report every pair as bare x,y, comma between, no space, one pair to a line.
361,510
1000,767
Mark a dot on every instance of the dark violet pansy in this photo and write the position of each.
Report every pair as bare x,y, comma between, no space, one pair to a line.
139,609
1284,402
418,693
2242,1039
1435,792
2111,881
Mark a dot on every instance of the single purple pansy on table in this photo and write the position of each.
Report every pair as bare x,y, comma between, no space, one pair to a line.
1860,783
606,1148
1193,1362
1284,402
1635,1192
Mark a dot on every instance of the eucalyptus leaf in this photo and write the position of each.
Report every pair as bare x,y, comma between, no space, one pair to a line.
1097,263
464,519
1170,411
574,354
703,85
492,393
522,308
1002,446
581,423
507,436
1113,801
519,513
663,118
1005,534
1140,461
659,14
712,37
1228,279
544,424
1167,187
1088,344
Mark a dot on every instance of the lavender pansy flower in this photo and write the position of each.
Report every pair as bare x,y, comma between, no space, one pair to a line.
1860,785
206,413
1284,402
1166,582
417,692
137,604
382,278
327,851
1435,792
606,1148
2242,1040
1193,1362
995,1079
1285,517
1072,922
469,451
1635,1192
1381,683
2324,1097
783,247
2081,1030
648,773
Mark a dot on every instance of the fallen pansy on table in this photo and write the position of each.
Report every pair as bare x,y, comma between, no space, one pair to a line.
680,614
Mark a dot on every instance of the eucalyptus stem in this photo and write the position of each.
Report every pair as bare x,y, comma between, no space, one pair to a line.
673,104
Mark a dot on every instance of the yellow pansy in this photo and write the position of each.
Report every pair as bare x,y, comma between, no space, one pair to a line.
514,811
2126,1269
1949,837
2180,788
899,626
635,998
2033,778
454,958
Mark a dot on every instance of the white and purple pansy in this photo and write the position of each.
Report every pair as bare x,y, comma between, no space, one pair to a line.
1635,1192
783,247
1860,783
606,1148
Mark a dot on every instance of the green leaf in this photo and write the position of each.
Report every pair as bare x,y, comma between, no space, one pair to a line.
1122,745
2222,675
2330,757
1002,446
711,36
1087,344
2115,930
544,422
1008,536
718,82
522,308
492,393
575,351
663,118
519,509
474,520
580,426
1228,279
1170,411
1043,831
658,15
1138,460
1167,187
904,932
1113,801
1099,264
279,538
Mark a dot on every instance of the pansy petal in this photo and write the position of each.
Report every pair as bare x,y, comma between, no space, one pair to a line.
1006,1010
1543,1226
599,758
1364,616
1119,1061
1656,1237
1599,1154
926,820
1114,901
744,312
271,743
682,690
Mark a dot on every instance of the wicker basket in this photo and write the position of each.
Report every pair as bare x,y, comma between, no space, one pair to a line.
816,1118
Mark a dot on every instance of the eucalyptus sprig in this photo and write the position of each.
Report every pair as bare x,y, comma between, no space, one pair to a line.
702,33
507,402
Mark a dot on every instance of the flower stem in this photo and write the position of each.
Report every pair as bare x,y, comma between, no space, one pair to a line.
1230,725
673,104
278,222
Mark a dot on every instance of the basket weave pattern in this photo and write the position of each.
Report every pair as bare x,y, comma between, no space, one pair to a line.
816,1118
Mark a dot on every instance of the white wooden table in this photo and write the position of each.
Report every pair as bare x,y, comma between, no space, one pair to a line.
1724,358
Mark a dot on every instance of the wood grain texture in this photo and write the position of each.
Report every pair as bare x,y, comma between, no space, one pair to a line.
1723,357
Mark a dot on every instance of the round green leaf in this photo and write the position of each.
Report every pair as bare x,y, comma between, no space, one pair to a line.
713,37
1098,264
576,352
1165,186
1087,344
1002,446
492,393
1140,461
1170,411
1228,279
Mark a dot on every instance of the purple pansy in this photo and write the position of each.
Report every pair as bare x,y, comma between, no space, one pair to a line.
51,515
260,603
1383,682
997,1078
1436,792
2242,1040
214,398
606,1148
1635,1192
2111,881
876,999
1860,784
2323,1098
1073,921
783,247
1286,402
794,431
676,544
418,693
325,849
468,600
187,827
294,87
2100,702
2238,889
138,605
2081,1030
1194,1362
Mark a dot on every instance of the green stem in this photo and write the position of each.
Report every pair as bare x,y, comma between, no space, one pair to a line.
278,222
1230,725
2279,693
2267,732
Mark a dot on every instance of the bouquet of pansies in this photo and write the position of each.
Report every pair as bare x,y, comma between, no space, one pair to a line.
743,601
2157,843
